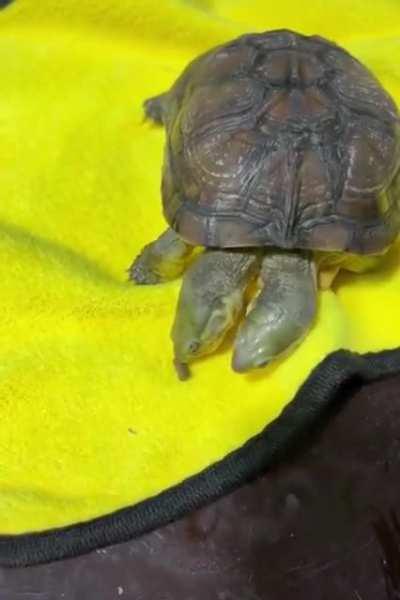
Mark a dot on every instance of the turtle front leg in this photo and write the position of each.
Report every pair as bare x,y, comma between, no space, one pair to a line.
210,300
162,260
154,108
283,312
329,264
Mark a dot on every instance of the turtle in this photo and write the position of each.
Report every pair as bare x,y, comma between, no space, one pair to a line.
281,167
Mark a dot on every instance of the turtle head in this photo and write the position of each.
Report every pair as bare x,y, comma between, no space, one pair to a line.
201,323
255,347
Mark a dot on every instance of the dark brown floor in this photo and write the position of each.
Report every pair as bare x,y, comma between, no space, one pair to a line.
324,526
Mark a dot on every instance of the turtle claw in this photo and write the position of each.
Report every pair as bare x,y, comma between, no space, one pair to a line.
160,261
141,273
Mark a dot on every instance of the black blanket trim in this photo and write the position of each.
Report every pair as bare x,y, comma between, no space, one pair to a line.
321,393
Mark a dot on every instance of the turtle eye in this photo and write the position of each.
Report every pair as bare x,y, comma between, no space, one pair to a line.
193,346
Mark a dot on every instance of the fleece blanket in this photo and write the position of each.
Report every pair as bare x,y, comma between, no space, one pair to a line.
99,441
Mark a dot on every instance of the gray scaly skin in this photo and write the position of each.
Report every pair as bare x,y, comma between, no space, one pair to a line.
210,301
212,298
213,290
282,313
162,260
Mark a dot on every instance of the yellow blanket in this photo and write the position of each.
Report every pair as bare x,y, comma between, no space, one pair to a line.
92,416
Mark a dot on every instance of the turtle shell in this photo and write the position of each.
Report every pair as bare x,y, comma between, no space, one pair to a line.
280,139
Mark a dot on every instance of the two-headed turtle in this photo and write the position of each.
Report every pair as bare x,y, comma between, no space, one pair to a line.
282,159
